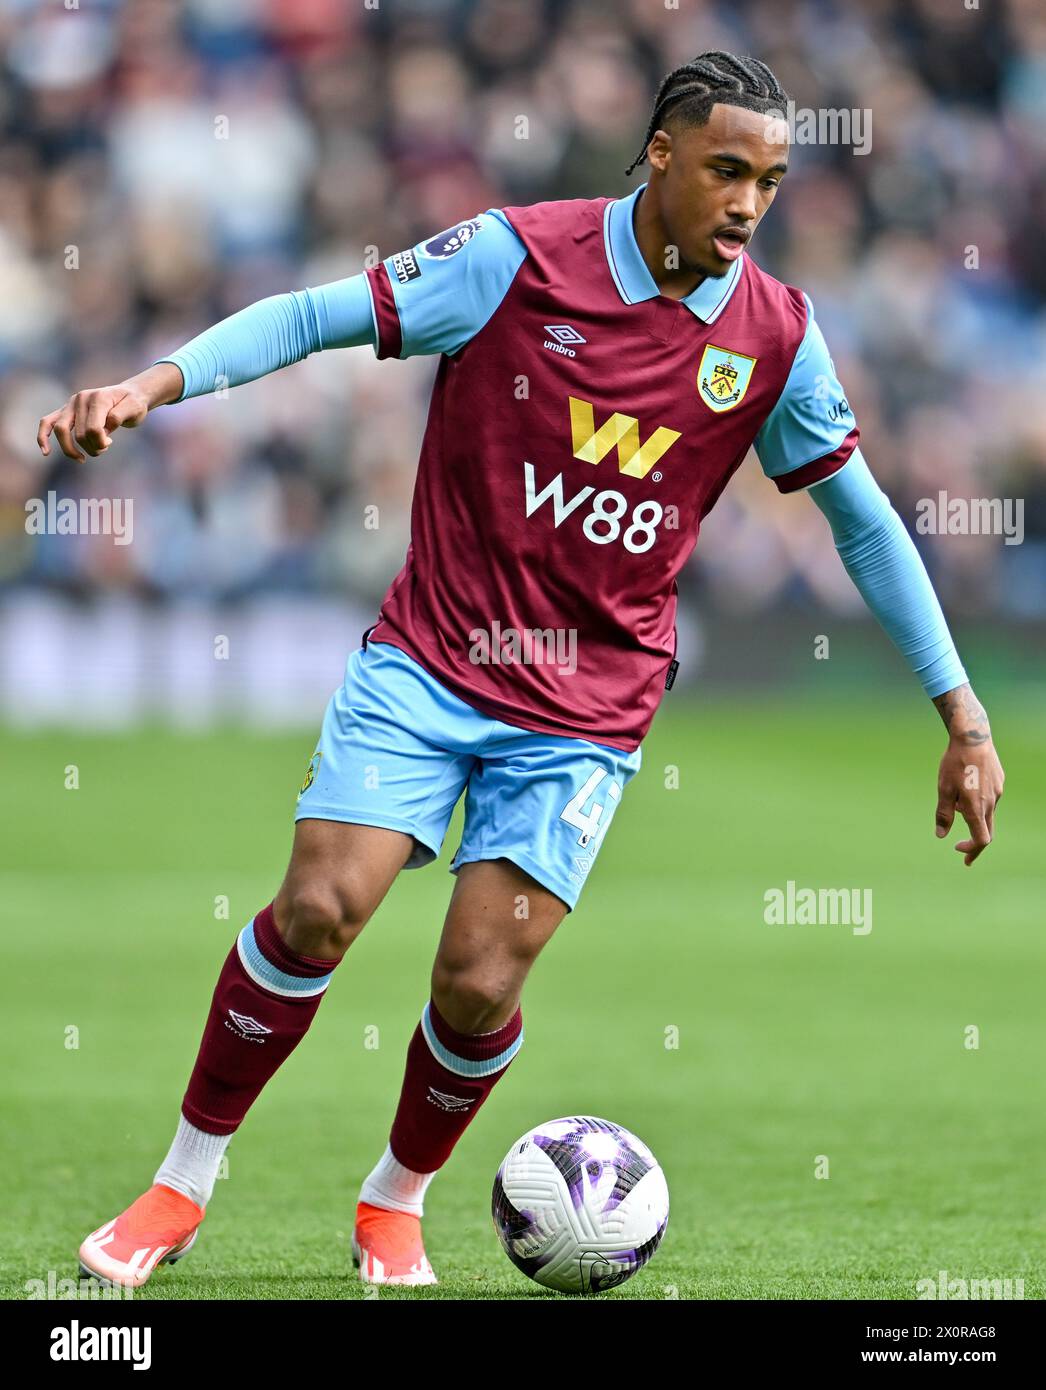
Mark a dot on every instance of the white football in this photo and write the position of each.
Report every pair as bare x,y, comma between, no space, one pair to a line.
580,1204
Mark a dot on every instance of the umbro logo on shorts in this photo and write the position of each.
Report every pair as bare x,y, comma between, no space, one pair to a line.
448,1102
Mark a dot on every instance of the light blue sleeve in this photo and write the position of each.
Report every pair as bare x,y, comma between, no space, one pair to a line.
274,332
445,290
883,563
448,287
812,416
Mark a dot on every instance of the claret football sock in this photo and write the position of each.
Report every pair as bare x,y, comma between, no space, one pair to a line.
448,1077
265,999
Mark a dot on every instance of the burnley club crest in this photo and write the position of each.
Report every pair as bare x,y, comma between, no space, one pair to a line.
723,377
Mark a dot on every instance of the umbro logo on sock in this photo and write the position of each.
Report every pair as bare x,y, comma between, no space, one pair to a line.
247,1027
448,1102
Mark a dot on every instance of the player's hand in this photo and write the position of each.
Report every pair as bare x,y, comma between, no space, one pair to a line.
89,418
86,422
971,778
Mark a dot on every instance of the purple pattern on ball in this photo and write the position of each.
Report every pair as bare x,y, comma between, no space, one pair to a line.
632,1260
513,1226
574,1160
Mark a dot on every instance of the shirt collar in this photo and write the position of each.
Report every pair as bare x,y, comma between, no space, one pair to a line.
634,281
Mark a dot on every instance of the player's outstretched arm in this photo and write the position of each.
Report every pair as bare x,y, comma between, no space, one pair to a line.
264,337
884,564
87,421
468,270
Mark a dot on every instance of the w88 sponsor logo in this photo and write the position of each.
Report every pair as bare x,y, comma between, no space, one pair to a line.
606,520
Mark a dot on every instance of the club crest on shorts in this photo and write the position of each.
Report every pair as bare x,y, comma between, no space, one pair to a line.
723,377
310,774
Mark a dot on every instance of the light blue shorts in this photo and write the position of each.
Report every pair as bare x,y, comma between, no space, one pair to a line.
397,750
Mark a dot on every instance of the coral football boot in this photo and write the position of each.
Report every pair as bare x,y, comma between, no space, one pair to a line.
158,1229
387,1247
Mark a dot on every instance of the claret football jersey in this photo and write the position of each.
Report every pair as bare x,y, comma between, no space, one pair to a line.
581,427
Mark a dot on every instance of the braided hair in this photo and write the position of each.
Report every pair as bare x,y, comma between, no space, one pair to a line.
693,89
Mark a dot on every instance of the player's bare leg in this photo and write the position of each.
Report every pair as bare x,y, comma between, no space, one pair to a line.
335,882
498,921
269,989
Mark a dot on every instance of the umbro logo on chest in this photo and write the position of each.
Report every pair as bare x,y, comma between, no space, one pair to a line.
562,339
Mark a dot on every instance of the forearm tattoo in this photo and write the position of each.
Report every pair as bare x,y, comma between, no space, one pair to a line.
964,716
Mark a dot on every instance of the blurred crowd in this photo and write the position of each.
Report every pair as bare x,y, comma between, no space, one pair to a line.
166,162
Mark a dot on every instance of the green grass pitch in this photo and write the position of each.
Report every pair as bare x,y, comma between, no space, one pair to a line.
793,1042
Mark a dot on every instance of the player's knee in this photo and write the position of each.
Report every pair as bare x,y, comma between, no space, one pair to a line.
321,919
469,998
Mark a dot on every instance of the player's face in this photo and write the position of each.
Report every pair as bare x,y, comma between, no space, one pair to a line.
717,180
